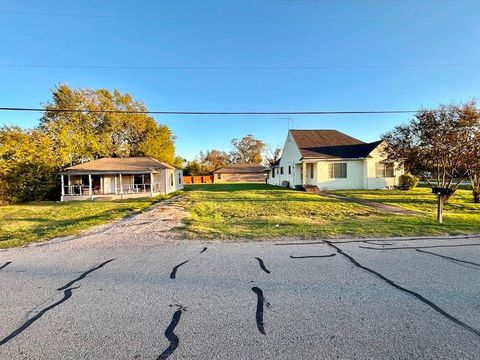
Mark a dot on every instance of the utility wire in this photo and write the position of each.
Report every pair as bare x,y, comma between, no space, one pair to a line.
228,68
215,112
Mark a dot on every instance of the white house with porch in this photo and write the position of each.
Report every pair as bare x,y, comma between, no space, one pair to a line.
331,160
120,178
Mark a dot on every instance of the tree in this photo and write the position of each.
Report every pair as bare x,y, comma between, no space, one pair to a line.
436,142
193,168
101,132
272,155
247,150
214,159
475,170
28,168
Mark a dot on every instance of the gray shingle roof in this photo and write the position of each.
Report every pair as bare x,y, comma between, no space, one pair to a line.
130,164
240,169
326,144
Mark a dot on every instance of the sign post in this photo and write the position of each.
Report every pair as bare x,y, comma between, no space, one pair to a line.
441,193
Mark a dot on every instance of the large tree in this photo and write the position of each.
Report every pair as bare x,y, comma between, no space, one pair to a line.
214,159
112,125
437,145
247,150
28,166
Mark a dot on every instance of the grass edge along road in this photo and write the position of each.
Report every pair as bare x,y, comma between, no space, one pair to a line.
259,211
21,224
251,211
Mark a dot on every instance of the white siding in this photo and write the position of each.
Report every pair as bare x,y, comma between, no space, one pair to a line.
371,181
290,157
354,179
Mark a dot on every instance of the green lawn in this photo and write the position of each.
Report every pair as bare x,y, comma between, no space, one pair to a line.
261,211
33,222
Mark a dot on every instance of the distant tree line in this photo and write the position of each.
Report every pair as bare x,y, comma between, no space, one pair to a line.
440,146
246,150
30,160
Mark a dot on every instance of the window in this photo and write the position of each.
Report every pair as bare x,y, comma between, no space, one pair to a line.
171,179
337,170
384,170
312,174
281,170
273,173
219,176
289,170
179,178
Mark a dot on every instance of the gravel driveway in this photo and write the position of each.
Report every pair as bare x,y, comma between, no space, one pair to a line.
133,291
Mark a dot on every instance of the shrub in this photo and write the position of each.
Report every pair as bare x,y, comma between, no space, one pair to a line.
407,182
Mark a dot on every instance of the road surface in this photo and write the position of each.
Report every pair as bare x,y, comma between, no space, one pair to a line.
128,292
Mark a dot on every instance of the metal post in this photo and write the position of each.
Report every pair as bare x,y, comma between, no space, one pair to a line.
90,186
63,188
121,187
439,209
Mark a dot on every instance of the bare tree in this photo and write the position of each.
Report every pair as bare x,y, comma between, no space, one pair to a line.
272,155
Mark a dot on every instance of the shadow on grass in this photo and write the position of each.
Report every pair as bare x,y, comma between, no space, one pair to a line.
233,187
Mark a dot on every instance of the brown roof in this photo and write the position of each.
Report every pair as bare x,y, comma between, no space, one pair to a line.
240,169
130,164
331,144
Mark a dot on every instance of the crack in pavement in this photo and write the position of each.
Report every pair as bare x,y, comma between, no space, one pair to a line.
416,247
311,256
376,242
173,274
452,260
83,275
171,336
262,265
405,290
5,265
67,294
259,312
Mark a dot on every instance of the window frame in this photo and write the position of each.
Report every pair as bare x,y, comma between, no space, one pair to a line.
332,173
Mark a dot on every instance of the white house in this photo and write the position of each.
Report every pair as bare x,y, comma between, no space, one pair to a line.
331,160
120,178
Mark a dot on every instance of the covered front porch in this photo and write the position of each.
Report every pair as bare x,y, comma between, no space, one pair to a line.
109,186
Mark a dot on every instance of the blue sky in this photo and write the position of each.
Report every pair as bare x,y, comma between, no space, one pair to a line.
240,34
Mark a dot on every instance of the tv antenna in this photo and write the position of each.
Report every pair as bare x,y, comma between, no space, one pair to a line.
288,120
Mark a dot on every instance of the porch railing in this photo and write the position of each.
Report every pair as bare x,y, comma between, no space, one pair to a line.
83,190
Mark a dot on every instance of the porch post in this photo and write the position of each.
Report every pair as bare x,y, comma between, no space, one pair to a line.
151,184
90,186
63,187
304,173
121,187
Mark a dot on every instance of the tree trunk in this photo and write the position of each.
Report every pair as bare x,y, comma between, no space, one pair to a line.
475,180
476,196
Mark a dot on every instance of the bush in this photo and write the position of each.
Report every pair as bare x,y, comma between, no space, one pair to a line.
407,182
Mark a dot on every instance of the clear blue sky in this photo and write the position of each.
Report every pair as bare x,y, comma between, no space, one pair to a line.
241,34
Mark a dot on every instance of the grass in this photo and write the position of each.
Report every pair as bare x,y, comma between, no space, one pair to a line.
33,222
256,211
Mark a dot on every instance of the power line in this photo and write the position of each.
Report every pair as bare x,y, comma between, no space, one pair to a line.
130,17
228,68
372,112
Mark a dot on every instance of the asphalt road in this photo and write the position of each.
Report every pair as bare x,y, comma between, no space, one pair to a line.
128,293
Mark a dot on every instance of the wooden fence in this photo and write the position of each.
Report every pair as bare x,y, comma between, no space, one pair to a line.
207,179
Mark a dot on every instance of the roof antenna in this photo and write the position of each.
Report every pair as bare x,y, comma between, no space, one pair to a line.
289,120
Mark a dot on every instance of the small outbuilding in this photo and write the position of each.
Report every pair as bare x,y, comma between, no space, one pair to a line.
240,173
120,178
